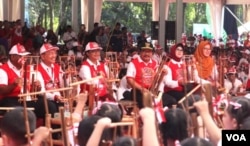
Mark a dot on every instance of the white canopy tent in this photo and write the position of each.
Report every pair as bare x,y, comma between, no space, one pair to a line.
91,10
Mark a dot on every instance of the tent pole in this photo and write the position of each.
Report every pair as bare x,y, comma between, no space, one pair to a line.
235,17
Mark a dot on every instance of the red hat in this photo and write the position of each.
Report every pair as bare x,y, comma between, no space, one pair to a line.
158,47
232,70
46,47
19,50
92,46
232,59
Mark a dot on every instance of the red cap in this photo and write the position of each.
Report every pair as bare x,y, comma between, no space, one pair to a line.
46,47
92,46
19,50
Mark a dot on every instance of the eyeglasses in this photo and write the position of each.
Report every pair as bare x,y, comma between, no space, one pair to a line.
208,49
179,50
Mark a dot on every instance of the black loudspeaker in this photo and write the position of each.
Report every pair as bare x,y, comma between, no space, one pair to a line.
154,30
170,30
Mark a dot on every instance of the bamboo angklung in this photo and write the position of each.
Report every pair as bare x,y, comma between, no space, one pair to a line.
25,113
188,69
189,93
193,124
158,76
85,81
42,92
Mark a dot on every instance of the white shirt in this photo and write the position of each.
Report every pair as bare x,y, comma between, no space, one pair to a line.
228,85
158,58
4,76
243,77
167,79
122,88
214,75
68,36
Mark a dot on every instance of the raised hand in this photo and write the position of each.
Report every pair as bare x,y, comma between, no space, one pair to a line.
104,122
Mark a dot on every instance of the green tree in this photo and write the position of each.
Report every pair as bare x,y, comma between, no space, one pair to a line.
49,13
135,16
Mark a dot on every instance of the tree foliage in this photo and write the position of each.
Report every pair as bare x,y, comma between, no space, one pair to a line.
49,13
135,16
138,16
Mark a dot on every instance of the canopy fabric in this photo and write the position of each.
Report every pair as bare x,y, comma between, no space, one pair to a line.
1,9
188,1
10,10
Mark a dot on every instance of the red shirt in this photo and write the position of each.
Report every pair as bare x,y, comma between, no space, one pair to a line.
144,72
11,78
177,73
48,81
102,87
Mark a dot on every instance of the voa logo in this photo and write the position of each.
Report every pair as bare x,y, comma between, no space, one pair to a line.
236,137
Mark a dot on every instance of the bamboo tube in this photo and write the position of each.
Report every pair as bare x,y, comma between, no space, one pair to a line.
87,80
42,92
51,131
189,93
113,80
64,128
12,108
120,124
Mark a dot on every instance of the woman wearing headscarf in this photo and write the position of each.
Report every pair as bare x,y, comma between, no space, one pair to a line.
205,64
206,72
172,84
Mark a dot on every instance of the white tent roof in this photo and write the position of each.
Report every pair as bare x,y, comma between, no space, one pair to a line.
244,28
188,1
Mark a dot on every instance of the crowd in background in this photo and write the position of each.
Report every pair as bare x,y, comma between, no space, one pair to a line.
230,56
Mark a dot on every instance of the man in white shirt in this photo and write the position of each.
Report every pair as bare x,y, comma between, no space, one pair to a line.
70,40
158,54
92,67
232,84
51,74
12,77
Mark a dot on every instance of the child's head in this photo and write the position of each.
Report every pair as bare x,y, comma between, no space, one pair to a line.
85,129
13,129
175,127
111,111
125,141
245,124
237,110
195,142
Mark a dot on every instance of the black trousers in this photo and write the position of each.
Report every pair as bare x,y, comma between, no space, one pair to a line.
138,97
14,102
38,105
171,98
40,110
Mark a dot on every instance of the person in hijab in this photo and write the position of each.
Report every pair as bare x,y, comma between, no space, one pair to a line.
172,84
206,72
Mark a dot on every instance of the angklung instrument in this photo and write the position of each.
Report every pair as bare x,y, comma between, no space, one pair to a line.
160,73
188,68
29,74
